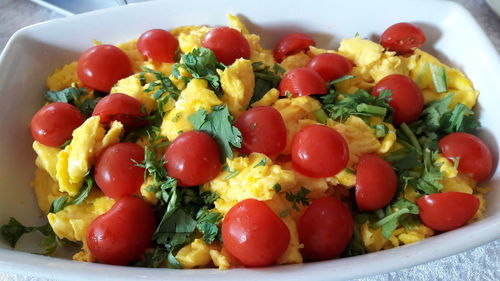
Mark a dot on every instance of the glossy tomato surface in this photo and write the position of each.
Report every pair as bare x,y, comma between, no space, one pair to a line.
120,107
292,44
325,229
54,123
263,130
376,182
407,99
122,234
330,66
116,170
319,151
447,211
402,38
474,155
158,45
228,44
101,66
302,81
254,234
193,158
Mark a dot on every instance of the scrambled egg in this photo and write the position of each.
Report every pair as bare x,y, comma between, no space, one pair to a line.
190,37
237,83
63,78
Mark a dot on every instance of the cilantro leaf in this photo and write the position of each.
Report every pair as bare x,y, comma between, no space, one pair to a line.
153,258
87,105
207,224
164,89
68,95
13,230
391,220
265,79
63,201
298,198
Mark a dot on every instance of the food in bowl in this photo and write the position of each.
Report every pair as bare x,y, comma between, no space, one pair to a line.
225,154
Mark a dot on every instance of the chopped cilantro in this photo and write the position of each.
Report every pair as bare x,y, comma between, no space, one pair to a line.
298,198
265,79
320,116
164,89
439,78
63,201
341,79
277,188
261,162
391,220
75,96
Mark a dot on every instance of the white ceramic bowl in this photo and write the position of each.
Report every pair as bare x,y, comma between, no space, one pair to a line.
34,52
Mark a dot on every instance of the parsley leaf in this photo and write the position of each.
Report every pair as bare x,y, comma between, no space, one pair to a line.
265,79
63,201
298,198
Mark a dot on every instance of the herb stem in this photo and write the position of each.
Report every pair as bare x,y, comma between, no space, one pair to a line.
320,116
396,214
411,137
371,109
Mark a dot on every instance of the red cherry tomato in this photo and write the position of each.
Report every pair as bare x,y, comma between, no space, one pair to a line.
292,44
325,229
330,66
193,158
319,151
228,44
100,67
158,45
402,38
407,99
54,123
447,211
122,234
263,131
376,183
254,234
123,108
302,82
475,156
116,173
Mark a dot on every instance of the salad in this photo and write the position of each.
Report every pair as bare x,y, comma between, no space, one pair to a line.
197,147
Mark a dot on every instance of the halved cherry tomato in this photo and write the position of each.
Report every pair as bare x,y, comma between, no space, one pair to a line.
330,66
193,158
228,44
292,44
101,66
319,151
122,234
325,229
376,182
120,107
402,38
447,211
158,45
475,156
254,234
116,171
54,123
407,99
302,81
263,131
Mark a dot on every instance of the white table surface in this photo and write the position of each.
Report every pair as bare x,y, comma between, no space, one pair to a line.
481,263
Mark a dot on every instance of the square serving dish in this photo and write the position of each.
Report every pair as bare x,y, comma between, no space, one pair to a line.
34,52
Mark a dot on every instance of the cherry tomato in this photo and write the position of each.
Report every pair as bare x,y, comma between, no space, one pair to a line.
402,38
228,44
475,156
101,66
263,131
319,151
254,234
376,183
116,173
158,45
193,158
447,211
302,82
122,234
330,66
407,99
54,123
325,229
126,109
292,44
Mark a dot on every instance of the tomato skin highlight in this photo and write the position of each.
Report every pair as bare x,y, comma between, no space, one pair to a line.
407,99
228,44
122,108
116,173
330,66
325,229
292,44
122,234
263,131
254,234
402,38
101,66
319,151
54,123
475,156
193,158
447,211
302,81
158,45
